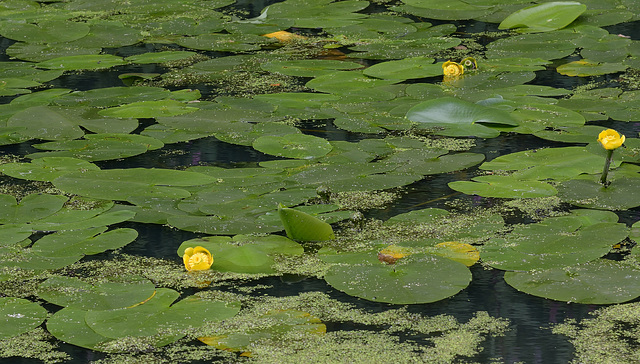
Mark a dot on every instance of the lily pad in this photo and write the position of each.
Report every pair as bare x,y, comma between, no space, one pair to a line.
459,118
408,68
98,147
586,68
418,278
244,254
544,17
46,169
554,242
304,227
149,109
299,146
308,67
82,62
88,241
598,282
120,184
18,316
273,325
114,293
503,187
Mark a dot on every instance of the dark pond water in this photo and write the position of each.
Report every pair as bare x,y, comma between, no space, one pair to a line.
529,339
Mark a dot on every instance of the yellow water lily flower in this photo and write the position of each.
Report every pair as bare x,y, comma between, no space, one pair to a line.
610,139
452,69
197,258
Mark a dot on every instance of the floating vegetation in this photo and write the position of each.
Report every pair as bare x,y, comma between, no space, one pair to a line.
336,111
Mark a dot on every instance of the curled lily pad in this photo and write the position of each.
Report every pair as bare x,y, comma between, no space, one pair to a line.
18,316
544,17
459,118
598,282
418,278
304,227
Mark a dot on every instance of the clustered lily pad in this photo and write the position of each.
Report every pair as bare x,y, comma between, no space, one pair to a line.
329,98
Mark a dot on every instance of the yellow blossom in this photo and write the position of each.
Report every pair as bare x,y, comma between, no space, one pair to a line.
469,63
197,258
452,69
610,139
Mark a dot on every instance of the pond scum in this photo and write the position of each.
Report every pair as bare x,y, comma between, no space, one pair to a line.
289,84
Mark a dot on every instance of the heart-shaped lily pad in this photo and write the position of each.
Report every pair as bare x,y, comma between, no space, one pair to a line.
299,146
554,242
418,278
113,293
598,282
18,316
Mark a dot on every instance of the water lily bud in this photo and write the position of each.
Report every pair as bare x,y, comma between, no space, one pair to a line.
452,69
197,258
469,63
610,139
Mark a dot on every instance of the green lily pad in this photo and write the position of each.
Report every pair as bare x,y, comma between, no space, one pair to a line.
503,187
584,68
46,169
544,17
554,242
273,325
98,147
149,109
418,278
304,227
155,321
112,96
120,184
408,68
318,13
119,292
51,31
587,191
459,118
598,282
342,82
308,67
82,62
18,316
159,57
88,241
299,146
31,207
548,163
47,122
243,253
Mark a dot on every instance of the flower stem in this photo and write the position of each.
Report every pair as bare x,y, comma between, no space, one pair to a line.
605,171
